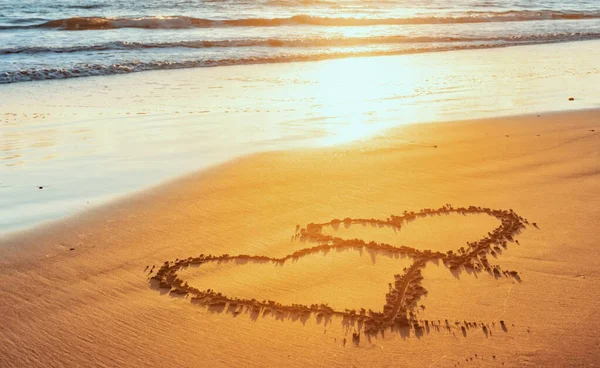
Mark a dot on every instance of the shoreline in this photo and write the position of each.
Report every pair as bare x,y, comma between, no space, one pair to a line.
375,55
89,143
308,59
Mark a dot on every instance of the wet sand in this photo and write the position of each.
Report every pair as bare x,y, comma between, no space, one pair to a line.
81,293
90,140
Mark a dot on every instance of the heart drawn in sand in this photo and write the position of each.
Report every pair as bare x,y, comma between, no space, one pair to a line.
406,288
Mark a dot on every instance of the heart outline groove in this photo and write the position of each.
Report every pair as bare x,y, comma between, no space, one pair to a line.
401,300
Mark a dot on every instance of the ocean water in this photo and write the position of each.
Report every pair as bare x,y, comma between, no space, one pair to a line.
55,39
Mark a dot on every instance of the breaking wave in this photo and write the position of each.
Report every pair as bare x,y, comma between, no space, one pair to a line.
305,42
87,70
176,22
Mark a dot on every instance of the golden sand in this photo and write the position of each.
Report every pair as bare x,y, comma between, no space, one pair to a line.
79,293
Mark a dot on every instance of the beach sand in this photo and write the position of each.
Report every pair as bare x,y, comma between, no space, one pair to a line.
76,293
